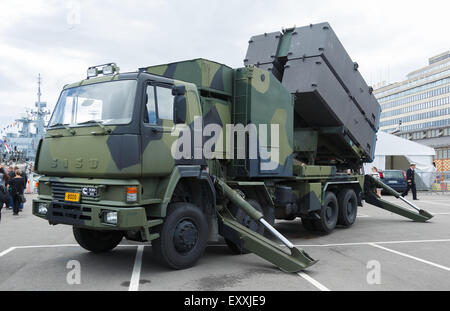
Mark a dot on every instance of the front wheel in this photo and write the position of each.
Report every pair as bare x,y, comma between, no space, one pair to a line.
97,241
182,237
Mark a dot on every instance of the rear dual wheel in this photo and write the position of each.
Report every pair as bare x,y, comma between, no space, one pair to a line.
348,207
328,214
339,210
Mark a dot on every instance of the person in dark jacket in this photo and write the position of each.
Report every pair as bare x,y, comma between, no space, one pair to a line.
17,185
4,195
11,175
410,180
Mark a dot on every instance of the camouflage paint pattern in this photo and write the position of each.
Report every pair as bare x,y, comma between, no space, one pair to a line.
254,89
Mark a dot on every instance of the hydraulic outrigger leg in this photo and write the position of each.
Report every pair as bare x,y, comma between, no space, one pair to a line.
370,183
296,261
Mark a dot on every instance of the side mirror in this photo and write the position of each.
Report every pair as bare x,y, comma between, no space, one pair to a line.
179,109
178,90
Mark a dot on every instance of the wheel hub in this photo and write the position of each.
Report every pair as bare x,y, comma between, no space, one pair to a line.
185,236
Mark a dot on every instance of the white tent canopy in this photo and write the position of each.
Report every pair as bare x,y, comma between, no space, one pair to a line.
393,152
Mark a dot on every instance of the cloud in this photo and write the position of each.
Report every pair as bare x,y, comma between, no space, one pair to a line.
60,39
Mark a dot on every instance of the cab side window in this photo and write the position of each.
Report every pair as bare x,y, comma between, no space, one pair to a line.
150,116
165,103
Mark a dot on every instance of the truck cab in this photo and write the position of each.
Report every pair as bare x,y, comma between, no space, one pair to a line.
106,162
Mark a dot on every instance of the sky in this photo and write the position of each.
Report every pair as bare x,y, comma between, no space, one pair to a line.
60,39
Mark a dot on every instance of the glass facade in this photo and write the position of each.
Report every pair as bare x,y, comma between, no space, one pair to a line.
420,103
416,107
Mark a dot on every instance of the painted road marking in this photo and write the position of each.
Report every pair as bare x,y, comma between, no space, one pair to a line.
411,257
314,282
50,246
7,251
136,275
368,243
433,202
362,216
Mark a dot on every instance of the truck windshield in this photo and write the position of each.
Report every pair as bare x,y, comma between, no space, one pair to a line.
105,103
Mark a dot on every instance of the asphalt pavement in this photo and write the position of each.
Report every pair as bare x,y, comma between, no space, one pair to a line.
381,251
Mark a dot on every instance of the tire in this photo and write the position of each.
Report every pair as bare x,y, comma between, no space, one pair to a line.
244,219
97,241
328,214
308,224
348,207
183,236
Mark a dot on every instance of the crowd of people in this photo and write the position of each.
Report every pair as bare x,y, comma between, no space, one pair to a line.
13,182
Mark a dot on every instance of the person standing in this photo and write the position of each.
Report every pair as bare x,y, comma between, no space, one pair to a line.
11,175
376,174
17,185
410,180
4,195
25,177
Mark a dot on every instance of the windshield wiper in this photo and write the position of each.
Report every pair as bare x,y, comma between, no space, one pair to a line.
71,131
105,130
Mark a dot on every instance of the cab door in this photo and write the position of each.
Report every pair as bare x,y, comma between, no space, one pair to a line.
157,126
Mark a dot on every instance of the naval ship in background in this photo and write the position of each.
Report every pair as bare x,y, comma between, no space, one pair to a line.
18,146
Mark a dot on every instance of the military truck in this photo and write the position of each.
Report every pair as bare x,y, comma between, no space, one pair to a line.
182,153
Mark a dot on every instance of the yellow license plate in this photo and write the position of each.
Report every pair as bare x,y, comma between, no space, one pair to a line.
72,197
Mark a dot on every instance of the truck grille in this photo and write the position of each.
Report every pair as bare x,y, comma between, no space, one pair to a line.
59,190
62,212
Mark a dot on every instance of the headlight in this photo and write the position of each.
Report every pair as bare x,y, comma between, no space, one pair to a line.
92,72
42,208
107,70
110,217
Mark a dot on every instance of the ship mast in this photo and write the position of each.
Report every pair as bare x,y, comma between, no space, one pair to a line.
39,93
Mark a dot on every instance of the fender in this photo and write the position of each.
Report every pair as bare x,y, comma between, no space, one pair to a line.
169,184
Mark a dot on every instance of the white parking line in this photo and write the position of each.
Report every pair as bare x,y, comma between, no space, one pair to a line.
433,202
136,275
49,246
368,243
314,282
362,216
411,257
7,251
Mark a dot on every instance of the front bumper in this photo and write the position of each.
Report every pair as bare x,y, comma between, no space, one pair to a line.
91,216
